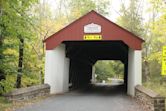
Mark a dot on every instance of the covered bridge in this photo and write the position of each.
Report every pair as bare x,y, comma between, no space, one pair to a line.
72,52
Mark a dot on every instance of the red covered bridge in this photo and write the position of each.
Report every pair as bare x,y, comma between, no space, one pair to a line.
72,52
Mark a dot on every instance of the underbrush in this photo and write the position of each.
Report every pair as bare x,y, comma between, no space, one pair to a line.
157,87
9,83
4,104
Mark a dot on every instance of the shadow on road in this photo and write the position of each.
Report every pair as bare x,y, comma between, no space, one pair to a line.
103,89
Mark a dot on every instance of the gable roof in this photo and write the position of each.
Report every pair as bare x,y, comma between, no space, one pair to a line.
110,31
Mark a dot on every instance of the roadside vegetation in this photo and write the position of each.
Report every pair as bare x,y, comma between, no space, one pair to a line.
149,25
4,104
105,70
12,106
24,26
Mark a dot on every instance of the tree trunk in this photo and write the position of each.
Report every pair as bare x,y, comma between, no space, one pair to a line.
20,63
146,71
2,74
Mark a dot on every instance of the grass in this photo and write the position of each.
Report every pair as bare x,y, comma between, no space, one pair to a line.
27,80
10,106
157,87
4,104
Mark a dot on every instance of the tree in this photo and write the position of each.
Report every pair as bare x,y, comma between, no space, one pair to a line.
2,76
156,36
132,20
70,10
108,69
131,17
15,22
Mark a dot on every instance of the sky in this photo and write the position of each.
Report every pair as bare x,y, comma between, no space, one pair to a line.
113,16
114,8
113,13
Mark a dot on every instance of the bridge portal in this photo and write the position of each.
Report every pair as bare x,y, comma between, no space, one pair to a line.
72,52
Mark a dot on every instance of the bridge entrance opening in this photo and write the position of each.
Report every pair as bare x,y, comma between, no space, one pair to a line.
84,55
72,52
108,72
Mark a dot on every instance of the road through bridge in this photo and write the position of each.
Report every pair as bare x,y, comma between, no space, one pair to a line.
93,98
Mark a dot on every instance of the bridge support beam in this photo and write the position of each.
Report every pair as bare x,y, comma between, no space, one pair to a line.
57,70
93,75
134,70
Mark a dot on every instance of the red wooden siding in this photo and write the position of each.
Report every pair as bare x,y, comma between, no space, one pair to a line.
110,31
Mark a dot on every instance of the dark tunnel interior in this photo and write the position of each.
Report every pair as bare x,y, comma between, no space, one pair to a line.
84,54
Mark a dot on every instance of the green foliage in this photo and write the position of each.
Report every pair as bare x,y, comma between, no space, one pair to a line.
152,30
7,85
131,17
33,21
157,87
155,38
30,79
4,104
17,21
105,69
73,9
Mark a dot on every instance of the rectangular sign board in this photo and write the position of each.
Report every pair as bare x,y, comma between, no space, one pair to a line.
92,37
92,28
163,72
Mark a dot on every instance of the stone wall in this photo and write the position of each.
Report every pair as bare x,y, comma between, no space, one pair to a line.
28,93
149,100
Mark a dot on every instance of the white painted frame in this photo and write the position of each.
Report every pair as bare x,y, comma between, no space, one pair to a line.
134,70
57,70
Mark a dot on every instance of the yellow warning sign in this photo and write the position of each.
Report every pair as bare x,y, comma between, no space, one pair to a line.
92,37
163,72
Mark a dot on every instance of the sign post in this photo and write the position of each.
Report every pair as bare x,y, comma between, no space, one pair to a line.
163,71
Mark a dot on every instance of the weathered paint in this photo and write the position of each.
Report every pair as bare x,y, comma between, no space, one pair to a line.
57,70
134,70
110,31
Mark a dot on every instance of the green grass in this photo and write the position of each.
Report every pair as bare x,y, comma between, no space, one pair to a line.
4,104
10,106
157,87
9,85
